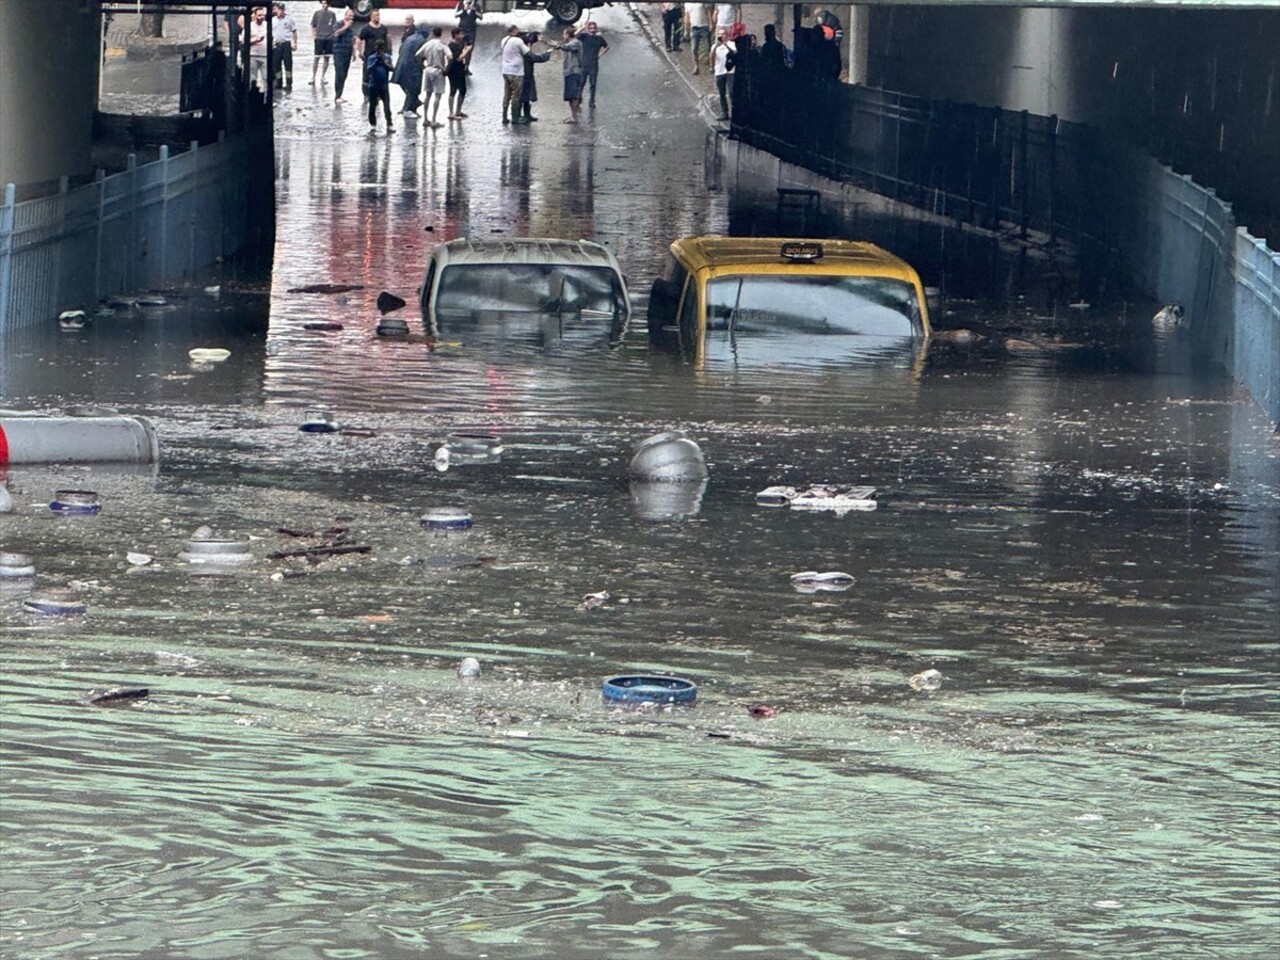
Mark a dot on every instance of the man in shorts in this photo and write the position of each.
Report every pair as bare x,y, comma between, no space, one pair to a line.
323,23
434,57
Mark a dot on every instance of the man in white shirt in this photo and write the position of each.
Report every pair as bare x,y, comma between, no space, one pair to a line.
723,70
727,16
697,22
435,56
284,38
513,50
258,48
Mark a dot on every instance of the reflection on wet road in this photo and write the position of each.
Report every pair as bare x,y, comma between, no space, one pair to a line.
1084,543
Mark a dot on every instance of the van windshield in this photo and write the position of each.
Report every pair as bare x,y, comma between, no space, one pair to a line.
529,288
866,306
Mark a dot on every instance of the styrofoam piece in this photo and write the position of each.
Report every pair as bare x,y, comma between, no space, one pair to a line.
837,497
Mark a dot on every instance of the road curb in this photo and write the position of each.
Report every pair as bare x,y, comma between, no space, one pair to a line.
700,98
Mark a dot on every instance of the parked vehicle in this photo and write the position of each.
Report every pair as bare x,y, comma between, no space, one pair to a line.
778,292
566,11
559,285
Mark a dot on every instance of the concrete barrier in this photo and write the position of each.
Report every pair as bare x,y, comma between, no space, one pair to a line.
36,439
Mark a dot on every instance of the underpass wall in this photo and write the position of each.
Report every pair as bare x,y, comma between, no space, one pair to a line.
1016,173
1197,89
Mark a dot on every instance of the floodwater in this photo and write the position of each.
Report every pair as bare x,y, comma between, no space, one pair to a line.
1084,541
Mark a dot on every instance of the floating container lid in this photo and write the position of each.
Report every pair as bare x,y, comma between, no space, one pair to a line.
16,566
82,502
56,602
649,689
318,421
446,518
208,354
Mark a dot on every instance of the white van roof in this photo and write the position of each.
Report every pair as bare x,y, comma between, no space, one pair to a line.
548,250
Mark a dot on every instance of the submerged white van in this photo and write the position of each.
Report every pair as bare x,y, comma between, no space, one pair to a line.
575,281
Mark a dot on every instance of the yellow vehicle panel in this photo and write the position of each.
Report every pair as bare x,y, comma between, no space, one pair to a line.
704,259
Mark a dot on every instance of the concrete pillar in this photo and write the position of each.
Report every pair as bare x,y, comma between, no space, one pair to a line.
49,60
857,34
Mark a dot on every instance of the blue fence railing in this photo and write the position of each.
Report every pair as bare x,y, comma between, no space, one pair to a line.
147,226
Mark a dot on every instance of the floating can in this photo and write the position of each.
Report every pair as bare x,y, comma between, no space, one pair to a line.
649,689
16,566
446,518
77,439
82,503
55,602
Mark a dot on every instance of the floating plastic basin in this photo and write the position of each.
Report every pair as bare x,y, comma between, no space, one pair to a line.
16,566
318,421
446,518
75,502
648,689
59,602
224,551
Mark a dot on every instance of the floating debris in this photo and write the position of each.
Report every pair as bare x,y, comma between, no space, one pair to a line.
152,300
446,518
392,327
6,501
1169,316
208,354
593,600
926,680
638,690
138,559
326,325
389,302
72,319
82,503
55,602
762,711
669,457
837,497
16,566
811,581
318,421
469,668
214,291
206,548
327,288
118,695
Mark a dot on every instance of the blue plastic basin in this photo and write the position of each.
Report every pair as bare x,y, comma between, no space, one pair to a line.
646,689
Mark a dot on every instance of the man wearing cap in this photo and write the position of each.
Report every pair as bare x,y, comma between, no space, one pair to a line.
285,36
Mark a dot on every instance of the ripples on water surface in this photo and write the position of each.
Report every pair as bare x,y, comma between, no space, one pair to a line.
1088,555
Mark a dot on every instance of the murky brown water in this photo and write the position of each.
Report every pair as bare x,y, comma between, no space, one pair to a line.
1085,542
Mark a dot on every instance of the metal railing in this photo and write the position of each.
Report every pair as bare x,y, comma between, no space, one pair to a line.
1021,173
148,225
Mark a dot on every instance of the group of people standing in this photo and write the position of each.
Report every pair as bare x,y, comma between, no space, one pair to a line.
424,62
581,66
